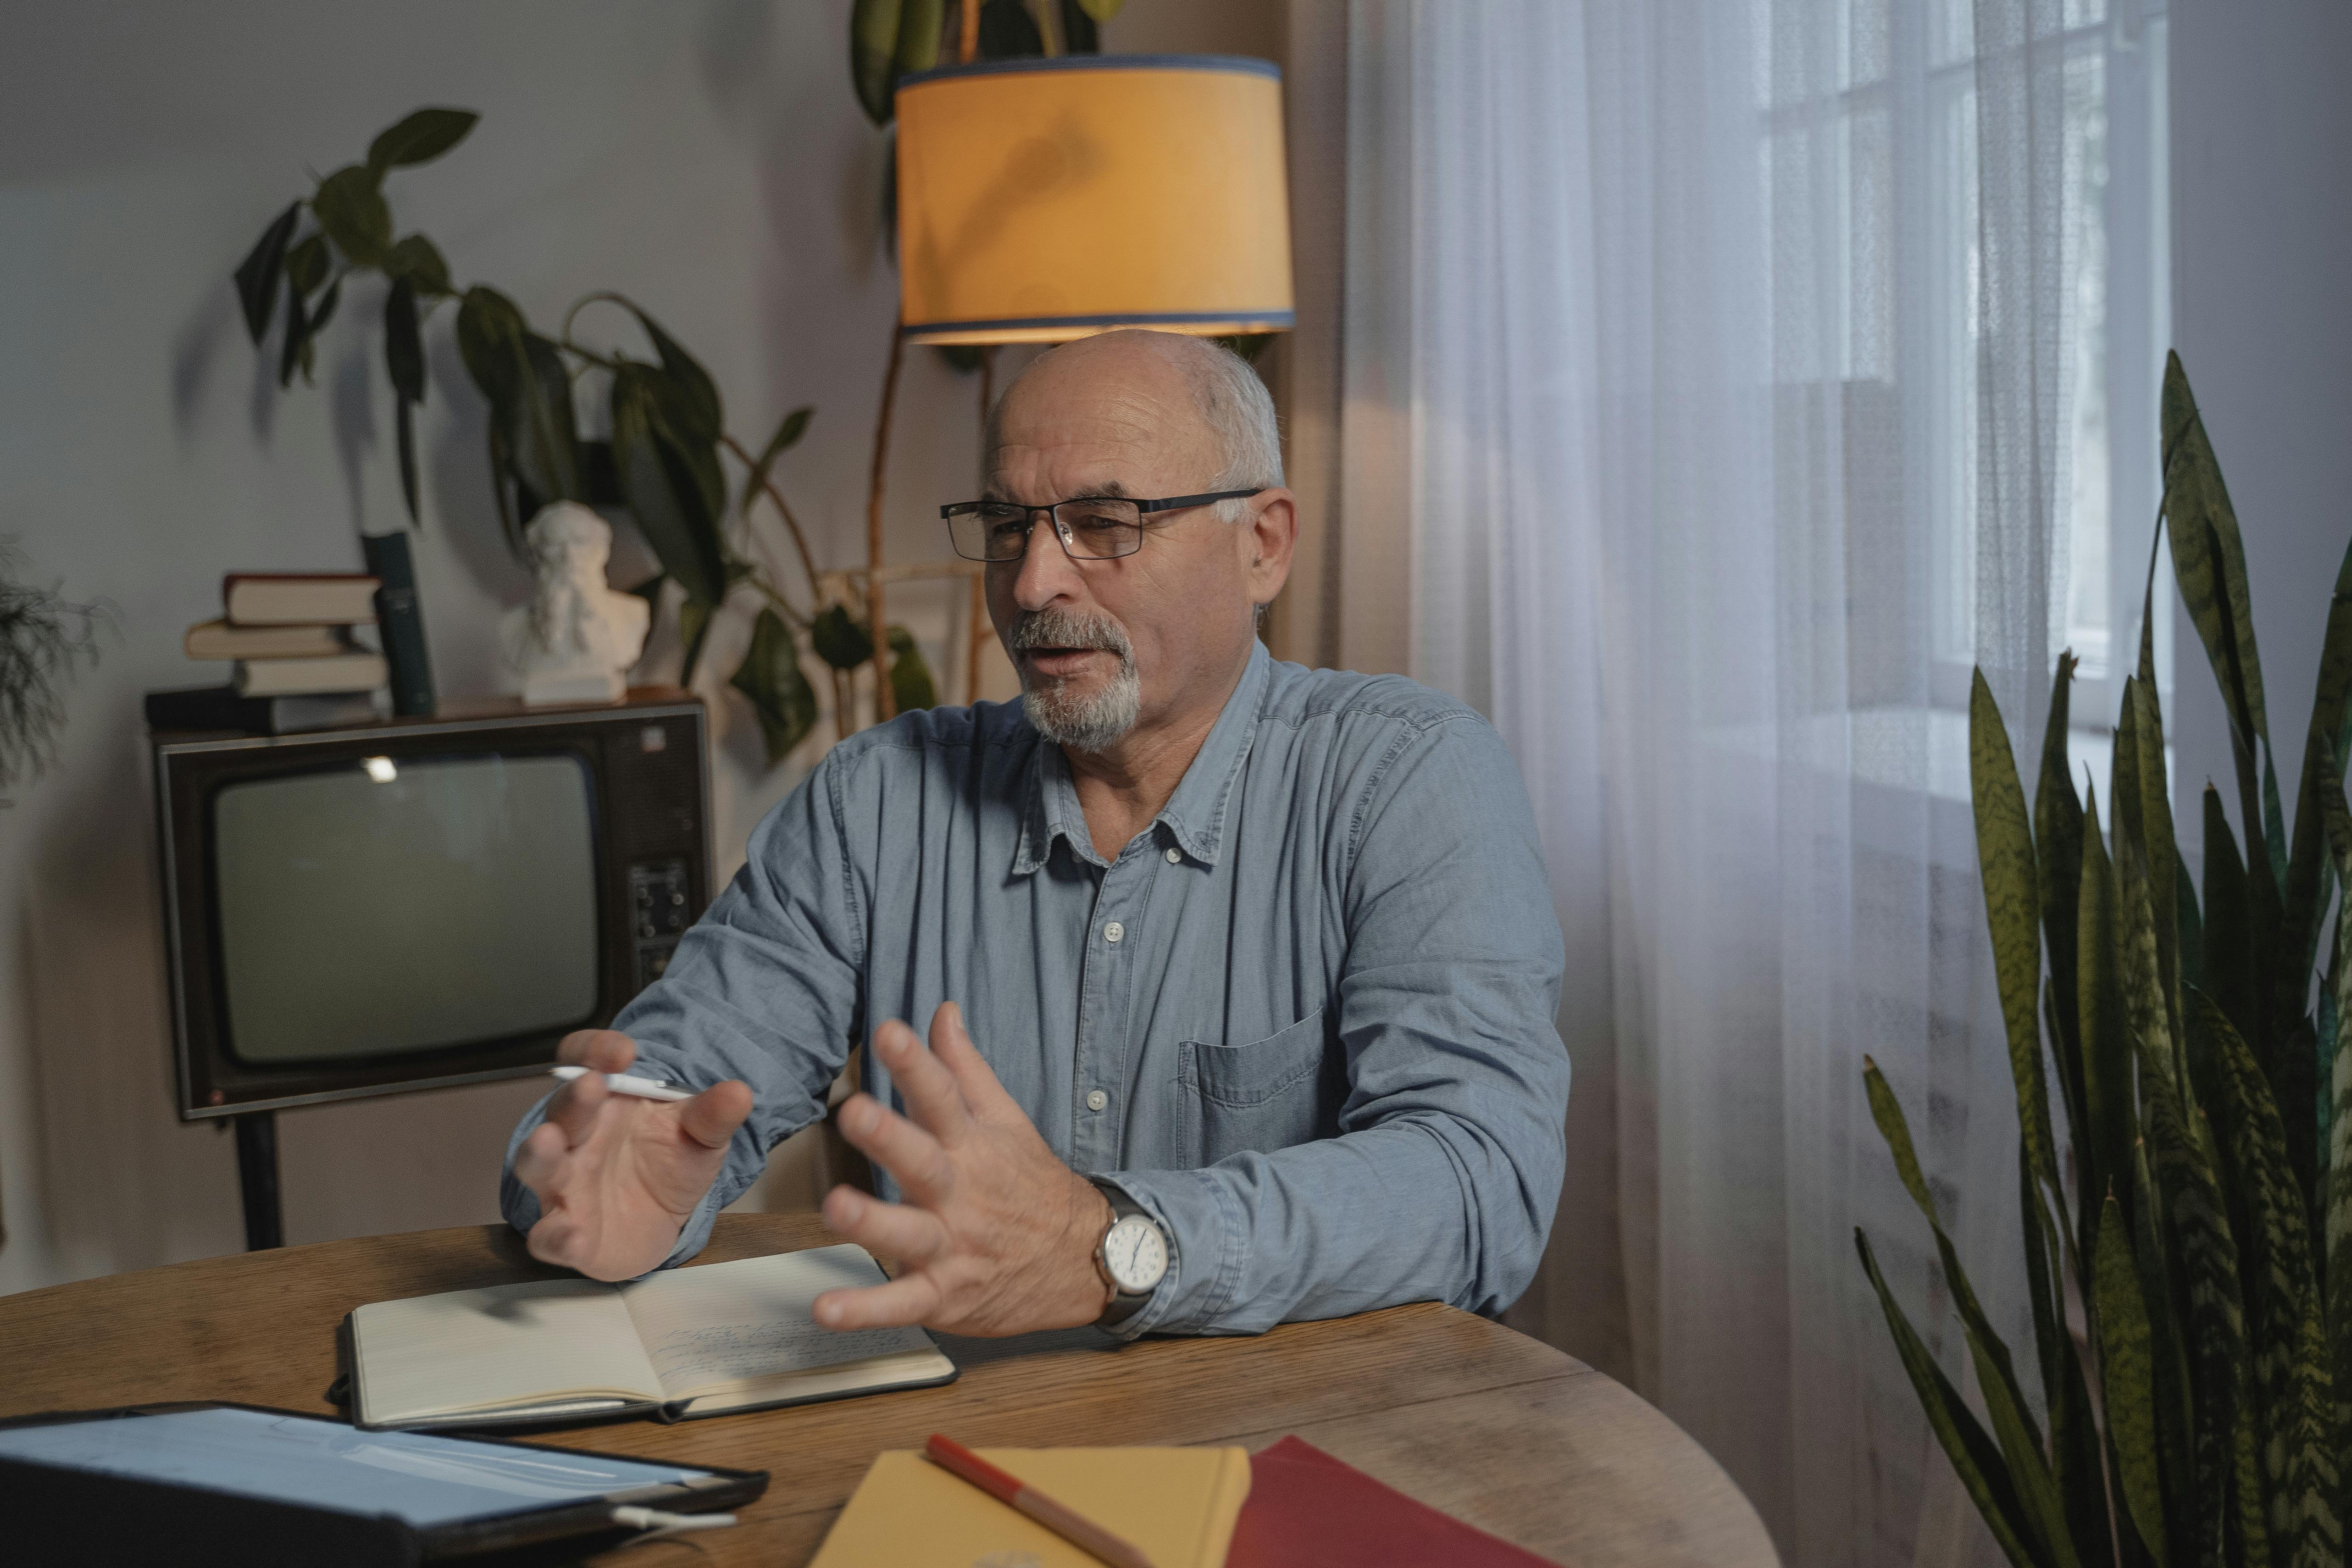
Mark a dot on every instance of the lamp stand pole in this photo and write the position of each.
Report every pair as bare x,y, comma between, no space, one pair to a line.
884,707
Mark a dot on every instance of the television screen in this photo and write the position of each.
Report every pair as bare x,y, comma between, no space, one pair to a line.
404,906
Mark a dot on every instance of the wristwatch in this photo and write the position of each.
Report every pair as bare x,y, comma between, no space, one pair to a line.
1132,1257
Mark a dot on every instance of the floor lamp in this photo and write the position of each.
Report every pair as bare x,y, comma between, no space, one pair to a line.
1046,199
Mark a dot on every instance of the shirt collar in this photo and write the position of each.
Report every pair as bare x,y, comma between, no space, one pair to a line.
1194,815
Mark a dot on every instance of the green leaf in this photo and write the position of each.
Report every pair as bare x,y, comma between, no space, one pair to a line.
2144,1015
2229,953
667,501
2013,908
2302,894
873,45
2143,828
1975,1458
695,411
2104,1141
523,376
419,138
307,264
2277,1257
491,332
546,435
910,678
416,259
2336,1220
2076,1464
2216,1337
2127,1373
2021,1440
2176,1415
771,676
2058,844
840,639
258,274
350,206
1100,11
2209,556
919,36
794,425
694,618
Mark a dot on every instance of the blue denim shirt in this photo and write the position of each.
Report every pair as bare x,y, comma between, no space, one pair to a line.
1304,1019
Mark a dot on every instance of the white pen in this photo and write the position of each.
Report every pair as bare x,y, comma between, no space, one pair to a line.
622,1083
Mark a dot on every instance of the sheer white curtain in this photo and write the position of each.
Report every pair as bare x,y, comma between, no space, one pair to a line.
1714,365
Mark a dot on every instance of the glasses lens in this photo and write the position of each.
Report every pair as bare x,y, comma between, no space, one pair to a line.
990,531
1100,529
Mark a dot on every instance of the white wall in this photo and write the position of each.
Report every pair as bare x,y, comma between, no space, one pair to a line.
705,156
2262,312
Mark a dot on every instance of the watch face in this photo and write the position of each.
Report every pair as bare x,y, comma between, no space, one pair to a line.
1136,1254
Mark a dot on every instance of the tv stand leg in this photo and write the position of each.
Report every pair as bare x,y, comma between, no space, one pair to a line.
257,1180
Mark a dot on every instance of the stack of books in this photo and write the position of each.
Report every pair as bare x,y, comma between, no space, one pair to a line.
297,665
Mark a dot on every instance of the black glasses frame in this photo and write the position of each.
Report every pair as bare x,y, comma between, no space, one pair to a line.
1053,510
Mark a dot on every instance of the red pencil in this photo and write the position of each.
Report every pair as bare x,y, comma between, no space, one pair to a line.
1004,1487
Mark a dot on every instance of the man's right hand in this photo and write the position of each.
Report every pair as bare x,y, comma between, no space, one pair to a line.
617,1175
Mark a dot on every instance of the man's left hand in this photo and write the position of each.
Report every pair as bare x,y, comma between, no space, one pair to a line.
995,1234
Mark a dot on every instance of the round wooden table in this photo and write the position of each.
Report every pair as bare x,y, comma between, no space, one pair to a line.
1464,1414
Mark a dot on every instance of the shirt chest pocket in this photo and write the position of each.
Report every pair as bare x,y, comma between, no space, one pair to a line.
1283,1090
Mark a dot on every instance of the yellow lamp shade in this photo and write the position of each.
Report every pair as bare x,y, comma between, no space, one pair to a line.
1041,200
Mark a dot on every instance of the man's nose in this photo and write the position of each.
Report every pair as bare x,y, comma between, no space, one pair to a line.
1046,573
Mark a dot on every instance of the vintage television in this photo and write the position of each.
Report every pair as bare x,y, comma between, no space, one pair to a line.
417,903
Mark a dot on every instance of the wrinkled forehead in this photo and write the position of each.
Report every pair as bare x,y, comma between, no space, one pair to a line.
1112,424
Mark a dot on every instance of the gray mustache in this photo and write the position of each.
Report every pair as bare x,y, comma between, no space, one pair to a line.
1060,628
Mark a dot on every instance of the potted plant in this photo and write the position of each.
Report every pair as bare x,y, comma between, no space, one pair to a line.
2202,1215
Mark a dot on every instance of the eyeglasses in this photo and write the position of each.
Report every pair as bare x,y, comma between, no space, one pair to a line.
1092,528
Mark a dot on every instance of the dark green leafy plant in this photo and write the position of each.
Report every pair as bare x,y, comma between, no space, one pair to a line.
664,461
2203,1217
45,639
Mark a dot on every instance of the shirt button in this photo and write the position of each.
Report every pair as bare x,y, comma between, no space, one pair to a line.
1114,931
1175,856
1097,1100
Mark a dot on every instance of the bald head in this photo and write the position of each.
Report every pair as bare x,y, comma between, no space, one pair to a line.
1133,381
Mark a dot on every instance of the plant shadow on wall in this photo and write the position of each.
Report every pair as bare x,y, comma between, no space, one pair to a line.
2200,1219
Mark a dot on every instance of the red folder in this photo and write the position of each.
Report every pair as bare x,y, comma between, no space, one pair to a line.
1306,1510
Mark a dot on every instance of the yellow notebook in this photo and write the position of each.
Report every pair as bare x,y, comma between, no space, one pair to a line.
1176,1505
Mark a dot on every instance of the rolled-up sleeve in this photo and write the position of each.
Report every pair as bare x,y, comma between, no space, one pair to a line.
764,988
1442,1182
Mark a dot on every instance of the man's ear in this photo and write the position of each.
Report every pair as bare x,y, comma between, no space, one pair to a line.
1272,526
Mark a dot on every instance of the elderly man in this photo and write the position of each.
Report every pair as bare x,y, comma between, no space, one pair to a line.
1240,975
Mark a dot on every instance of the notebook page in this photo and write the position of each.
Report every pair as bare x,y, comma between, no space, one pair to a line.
726,1325
529,1343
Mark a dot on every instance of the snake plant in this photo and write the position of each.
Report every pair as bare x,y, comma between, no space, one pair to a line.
2199,1221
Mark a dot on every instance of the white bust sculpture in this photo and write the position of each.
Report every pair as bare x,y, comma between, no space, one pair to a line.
576,640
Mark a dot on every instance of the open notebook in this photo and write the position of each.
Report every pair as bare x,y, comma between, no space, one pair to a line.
676,1345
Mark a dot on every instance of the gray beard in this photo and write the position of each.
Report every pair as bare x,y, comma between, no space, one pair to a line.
1081,721
1094,721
